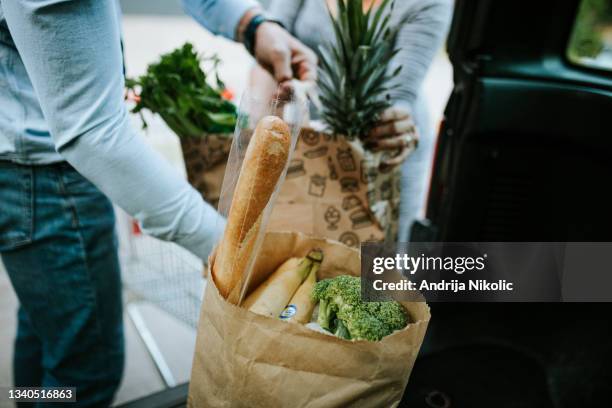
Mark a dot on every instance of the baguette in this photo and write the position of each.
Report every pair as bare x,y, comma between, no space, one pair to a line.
265,160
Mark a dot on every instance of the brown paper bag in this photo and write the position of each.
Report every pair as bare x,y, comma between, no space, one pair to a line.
335,189
247,360
205,161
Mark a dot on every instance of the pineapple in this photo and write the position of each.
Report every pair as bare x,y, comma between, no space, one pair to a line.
354,77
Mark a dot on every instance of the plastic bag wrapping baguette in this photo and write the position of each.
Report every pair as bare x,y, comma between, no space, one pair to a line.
265,160
247,360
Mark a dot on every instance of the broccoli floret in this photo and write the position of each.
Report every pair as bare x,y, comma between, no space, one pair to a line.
392,314
341,330
342,312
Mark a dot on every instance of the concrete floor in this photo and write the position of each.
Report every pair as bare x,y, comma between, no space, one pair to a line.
146,37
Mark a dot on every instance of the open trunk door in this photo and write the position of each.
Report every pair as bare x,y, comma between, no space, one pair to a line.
524,154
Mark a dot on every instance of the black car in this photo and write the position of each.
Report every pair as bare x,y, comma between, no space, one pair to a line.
524,154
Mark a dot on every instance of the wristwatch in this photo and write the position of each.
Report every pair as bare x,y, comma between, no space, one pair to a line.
251,29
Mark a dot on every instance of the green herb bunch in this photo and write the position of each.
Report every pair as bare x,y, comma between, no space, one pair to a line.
354,77
178,90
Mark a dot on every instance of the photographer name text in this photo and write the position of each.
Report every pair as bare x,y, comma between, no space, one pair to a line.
453,285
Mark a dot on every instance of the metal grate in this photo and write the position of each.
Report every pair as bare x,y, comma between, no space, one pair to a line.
160,272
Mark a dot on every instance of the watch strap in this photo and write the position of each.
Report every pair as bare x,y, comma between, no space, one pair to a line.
251,30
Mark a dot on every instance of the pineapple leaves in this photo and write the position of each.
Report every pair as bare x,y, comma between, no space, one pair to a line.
376,23
355,77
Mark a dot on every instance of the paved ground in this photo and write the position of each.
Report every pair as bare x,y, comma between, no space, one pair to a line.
145,38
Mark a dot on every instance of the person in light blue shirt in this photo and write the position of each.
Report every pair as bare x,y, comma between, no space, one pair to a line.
65,146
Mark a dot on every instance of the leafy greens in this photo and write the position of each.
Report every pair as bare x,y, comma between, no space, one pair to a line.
178,90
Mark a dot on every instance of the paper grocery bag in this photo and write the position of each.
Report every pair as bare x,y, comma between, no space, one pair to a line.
205,160
247,360
336,189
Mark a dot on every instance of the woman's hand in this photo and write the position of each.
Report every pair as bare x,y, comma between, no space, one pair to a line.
280,53
396,132
285,57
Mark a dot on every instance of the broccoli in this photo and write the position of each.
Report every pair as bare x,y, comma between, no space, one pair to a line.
342,312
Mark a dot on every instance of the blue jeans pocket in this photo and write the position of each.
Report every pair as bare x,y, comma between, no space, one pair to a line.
16,205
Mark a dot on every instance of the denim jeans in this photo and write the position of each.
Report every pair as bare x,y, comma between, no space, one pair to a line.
59,248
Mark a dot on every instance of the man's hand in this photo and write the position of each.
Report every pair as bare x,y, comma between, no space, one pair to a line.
395,132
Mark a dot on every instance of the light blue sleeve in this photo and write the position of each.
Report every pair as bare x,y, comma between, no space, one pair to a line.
219,16
419,39
71,51
286,11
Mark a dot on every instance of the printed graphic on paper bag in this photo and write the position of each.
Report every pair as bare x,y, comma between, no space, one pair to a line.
350,239
197,166
351,202
217,151
317,186
368,172
346,160
349,184
333,174
332,217
316,153
205,160
328,137
311,138
207,151
296,169
361,219
190,151
335,171
289,312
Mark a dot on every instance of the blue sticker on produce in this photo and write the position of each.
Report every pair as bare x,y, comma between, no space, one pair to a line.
289,312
